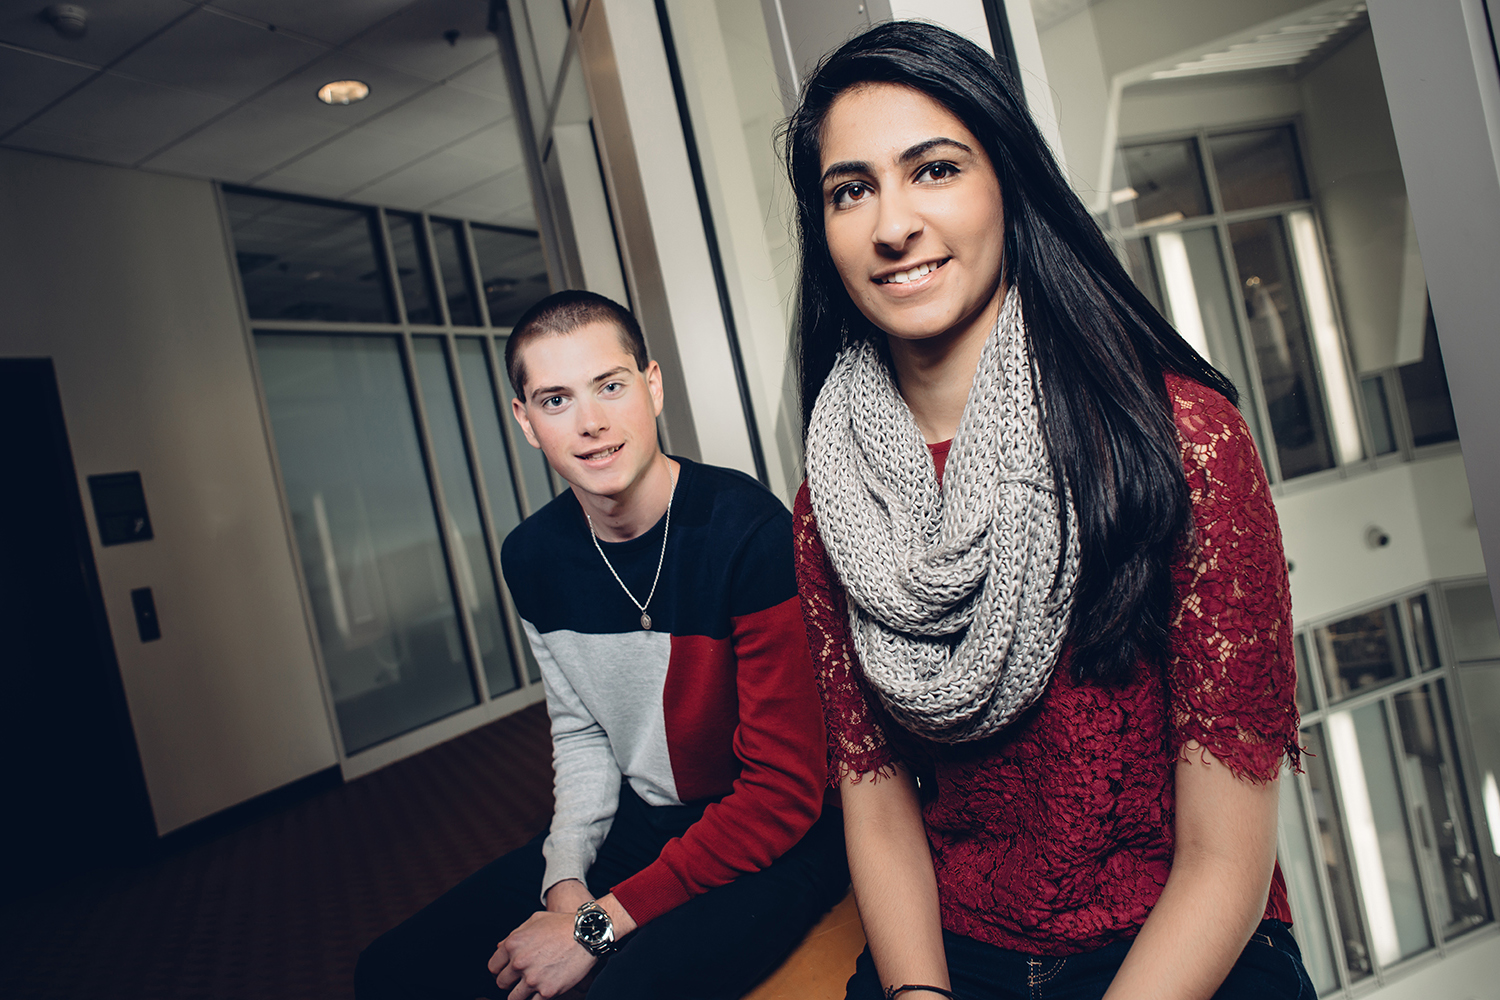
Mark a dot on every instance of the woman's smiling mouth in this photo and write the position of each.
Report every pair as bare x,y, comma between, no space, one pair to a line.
904,277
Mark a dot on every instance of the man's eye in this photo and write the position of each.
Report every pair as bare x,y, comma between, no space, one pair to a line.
613,387
552,402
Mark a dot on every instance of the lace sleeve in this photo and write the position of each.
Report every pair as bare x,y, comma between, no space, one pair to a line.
856,741
1231,674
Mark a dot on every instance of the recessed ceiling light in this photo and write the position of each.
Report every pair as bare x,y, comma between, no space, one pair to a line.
343,92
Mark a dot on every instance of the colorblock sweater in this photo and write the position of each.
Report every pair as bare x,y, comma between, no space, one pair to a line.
715,704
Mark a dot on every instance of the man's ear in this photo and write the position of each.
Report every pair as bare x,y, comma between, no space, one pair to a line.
518,410
653,382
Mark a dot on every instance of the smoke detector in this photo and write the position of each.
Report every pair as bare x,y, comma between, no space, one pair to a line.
68,19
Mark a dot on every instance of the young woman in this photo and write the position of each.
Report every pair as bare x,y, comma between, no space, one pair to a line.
1038,559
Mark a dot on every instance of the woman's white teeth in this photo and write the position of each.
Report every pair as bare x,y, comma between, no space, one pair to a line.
912,275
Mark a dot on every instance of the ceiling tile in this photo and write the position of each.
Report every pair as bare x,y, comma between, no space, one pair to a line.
218,55
486,77
129,113
85,147
299,93
497,146
31,82
505,196
439,116
113,27
352,160
428,181
242,144
329,20
413,41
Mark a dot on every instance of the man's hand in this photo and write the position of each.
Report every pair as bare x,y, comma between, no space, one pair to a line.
540,958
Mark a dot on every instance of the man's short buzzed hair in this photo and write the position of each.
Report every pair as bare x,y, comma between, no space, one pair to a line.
566,311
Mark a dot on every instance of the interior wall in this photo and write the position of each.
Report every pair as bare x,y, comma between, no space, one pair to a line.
1362,199
124,279
1424,509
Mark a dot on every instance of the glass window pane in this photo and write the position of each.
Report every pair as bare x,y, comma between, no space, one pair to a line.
1332,845
1205,290
533,463
472,563
489,441
1257,168
1471,622
366,531
1424,384
1306,700
1288,376
489,434
1378,410
1159,183
1310,924
409,246
307,260
1445,835
1481,701
1384,859
512,270
1141,263
453,263
1360,652
1424,636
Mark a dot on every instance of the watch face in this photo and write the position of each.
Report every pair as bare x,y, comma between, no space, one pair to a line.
592,925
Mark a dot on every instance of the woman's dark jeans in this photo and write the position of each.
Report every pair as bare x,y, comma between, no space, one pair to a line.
1270,968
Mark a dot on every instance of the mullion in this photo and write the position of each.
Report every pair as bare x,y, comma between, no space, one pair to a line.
440,504
481,489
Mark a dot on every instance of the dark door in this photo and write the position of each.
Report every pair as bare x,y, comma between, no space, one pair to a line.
71,787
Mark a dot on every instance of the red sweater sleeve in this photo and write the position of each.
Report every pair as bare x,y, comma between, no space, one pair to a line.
1231,674
856,742
778,794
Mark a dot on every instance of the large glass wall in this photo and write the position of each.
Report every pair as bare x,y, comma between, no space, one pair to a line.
1245,166
734,101
379,338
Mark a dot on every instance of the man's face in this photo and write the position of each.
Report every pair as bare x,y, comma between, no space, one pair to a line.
589,409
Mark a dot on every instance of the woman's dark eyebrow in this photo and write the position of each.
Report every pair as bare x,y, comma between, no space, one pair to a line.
921,149
846,167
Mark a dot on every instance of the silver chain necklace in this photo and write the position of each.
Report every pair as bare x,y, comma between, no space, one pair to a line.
645,618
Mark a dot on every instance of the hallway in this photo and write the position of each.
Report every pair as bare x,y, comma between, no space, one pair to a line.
281,905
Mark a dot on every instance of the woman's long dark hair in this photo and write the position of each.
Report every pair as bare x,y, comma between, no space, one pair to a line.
1100,348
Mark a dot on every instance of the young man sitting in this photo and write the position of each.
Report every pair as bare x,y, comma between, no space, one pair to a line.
688,745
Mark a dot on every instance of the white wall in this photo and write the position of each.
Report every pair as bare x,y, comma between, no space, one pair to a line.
1362,196
1466,973
123,278
1423,506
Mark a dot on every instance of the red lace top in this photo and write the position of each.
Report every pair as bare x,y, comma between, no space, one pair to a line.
1055,836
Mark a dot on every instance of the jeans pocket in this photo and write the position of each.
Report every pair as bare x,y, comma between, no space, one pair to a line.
1269,969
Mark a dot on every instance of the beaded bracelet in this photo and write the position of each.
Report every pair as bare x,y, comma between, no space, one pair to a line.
891,992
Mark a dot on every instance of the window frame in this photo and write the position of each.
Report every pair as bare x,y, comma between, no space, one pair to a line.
529,688
1448,674
1220,220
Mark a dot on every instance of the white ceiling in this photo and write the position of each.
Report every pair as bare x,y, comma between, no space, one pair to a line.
228,90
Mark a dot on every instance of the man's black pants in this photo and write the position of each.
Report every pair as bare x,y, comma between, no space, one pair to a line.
716,945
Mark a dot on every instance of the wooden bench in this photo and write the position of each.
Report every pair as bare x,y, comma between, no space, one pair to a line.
821,965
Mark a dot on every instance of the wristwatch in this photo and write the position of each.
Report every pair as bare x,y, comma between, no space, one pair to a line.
593,929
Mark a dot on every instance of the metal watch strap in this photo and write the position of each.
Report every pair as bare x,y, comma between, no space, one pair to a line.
599,943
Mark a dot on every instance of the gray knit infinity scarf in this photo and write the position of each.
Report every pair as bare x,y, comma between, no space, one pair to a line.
951,600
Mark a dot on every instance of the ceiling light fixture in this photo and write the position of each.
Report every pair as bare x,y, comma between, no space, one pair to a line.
343,92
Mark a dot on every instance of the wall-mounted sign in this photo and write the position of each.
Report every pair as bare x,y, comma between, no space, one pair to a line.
120,508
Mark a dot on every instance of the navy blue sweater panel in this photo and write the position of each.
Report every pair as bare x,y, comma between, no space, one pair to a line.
728,554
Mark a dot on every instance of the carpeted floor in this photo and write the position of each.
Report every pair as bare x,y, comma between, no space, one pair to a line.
280,907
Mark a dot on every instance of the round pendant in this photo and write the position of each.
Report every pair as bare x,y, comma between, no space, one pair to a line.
645,620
